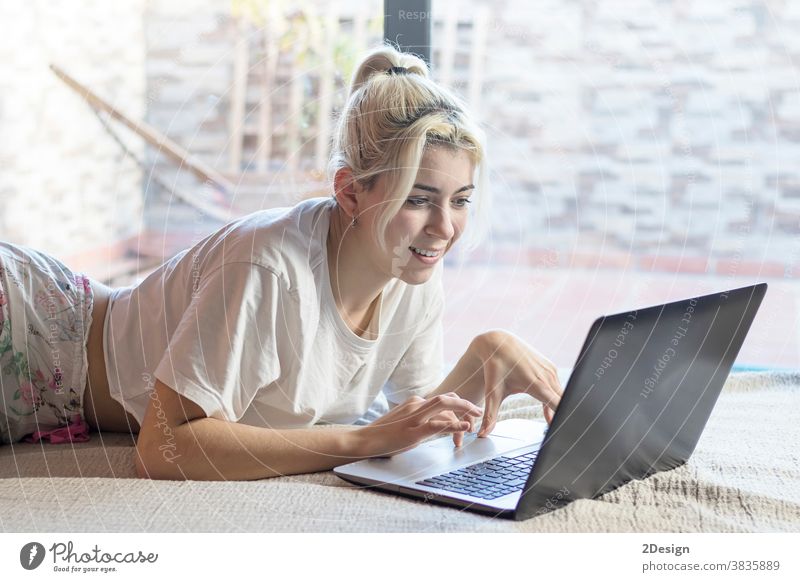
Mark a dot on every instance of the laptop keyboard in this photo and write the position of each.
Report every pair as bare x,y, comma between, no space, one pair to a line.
488,480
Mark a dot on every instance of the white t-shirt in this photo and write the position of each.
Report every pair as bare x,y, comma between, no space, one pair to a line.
244,324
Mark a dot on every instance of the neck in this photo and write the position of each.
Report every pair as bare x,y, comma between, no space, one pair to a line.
356,282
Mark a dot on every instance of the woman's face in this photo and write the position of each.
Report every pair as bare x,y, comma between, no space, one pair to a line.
432,217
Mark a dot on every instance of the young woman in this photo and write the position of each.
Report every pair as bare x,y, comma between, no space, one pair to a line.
326,312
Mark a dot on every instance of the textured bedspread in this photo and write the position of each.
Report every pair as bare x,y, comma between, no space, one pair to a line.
744,476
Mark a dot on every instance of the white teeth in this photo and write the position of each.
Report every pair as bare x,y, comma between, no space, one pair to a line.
424,252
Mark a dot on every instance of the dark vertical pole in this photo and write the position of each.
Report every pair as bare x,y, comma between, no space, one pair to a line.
407,25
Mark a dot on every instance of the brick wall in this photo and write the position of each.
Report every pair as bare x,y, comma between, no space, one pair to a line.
667,129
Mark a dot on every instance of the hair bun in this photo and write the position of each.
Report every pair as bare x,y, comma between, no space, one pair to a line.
386,60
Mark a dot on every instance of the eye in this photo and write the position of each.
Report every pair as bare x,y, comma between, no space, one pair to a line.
463,201
416,202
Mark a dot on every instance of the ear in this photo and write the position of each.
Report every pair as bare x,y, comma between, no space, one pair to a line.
347,191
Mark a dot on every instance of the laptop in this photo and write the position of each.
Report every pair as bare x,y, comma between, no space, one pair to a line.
637,400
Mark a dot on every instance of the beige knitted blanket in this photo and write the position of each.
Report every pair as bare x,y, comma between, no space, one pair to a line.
744,476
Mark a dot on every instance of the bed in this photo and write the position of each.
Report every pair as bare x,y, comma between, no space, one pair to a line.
744,476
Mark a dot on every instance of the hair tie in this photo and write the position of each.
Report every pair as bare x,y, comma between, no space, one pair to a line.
397,71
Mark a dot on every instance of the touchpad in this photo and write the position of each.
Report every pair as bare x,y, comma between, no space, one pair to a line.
472,441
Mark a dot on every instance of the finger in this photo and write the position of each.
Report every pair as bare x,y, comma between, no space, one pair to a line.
543,385
548,414
555,383
451,398
553,391
458,437
555,400
440,426
494,395
454,403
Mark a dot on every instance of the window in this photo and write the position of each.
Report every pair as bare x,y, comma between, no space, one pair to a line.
638,157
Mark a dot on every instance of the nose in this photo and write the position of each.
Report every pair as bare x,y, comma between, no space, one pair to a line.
440,223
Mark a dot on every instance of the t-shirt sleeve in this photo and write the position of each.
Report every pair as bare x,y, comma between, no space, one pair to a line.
421,368
224,348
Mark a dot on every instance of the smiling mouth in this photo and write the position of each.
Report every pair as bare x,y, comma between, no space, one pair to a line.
427,252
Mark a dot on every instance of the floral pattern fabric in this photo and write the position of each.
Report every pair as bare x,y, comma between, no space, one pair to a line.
45,314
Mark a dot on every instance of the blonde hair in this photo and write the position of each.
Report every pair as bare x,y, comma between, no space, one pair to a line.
388,121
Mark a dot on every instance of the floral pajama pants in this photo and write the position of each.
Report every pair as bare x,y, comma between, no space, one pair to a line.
45,315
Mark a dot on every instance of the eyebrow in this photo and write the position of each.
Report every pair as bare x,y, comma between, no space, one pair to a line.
437,191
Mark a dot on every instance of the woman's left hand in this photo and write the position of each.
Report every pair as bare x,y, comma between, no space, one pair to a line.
511,366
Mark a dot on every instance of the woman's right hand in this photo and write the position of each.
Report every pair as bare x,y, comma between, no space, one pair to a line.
417,419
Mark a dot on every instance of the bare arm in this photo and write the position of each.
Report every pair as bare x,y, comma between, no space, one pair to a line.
177,441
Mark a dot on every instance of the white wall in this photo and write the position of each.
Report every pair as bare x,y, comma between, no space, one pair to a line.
65,185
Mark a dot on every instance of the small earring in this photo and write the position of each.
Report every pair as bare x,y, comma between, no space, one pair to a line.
353,224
